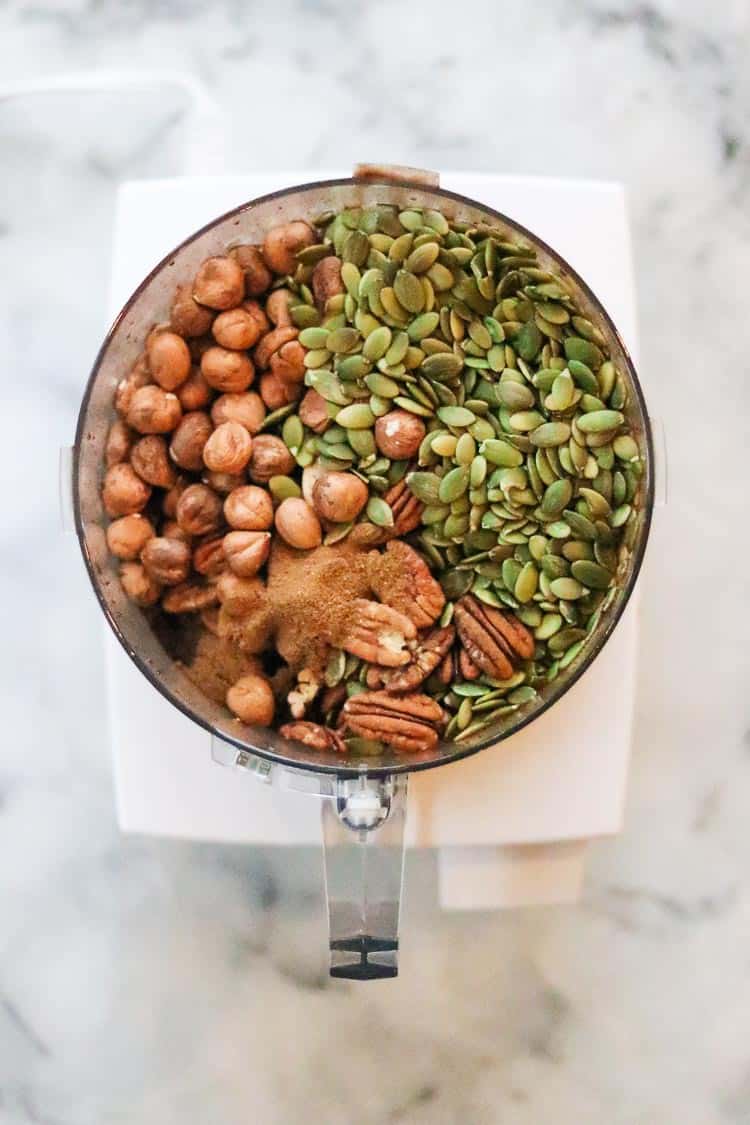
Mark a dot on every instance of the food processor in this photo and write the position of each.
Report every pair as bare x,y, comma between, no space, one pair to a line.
365,800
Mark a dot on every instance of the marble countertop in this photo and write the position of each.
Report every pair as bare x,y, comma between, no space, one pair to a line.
145,982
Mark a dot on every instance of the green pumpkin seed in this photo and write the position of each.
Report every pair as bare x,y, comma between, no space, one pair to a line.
584,351
423,326
511,570
465,450
550,434
356,248
314,338
358,416
559,529
528,341
343,340
293,433
537,546
562,393
409,292
283,488
597,504
567,588
379,406
625,447
335,668
607,378
362,442
422,257
303,316
478,471
516,396
619,488
562,640
425,486
456,526
554,566
453,484
318,357
620,515
583,377
483,429
392,305
501,453
382,385
580,525
379,512
435,513
526,583
413,407
457,416
575,549
526,420
442,365
377,343
599,421
591,574
551,624
556,497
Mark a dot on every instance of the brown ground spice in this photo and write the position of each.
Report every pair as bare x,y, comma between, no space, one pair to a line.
312,594
307,610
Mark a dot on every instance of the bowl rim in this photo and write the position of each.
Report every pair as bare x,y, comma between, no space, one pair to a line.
598,641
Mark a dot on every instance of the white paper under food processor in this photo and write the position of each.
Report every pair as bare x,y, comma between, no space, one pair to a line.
511,823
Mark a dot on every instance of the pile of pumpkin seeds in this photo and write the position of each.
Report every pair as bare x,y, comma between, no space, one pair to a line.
529,473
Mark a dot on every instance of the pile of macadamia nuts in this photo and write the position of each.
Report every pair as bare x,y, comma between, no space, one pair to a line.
193,487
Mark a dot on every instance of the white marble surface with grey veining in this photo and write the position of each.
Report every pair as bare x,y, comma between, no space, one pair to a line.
153,983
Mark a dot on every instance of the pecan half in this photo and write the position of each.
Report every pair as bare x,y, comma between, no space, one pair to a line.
466,666
406,722
407,585
493,641
378,634
431,652
447,670
189,597
407,509
319,738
